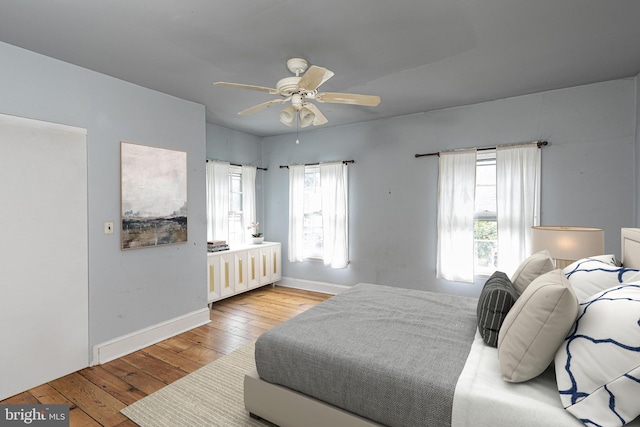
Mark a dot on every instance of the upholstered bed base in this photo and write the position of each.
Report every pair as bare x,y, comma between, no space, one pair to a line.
287,408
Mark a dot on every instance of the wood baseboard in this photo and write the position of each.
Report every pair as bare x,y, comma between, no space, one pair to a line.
126,344
310,285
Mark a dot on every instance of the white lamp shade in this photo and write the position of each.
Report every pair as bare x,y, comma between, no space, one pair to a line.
287,115
306,117
567,243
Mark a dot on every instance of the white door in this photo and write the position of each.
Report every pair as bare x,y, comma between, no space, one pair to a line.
44,320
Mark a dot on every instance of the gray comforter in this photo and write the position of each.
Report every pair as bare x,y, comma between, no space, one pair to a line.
388,354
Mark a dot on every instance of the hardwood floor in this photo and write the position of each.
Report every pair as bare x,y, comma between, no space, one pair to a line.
97,394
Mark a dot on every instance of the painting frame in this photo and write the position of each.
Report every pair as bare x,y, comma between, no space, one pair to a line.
153,196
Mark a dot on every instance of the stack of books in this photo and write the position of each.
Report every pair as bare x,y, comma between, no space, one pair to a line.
217,246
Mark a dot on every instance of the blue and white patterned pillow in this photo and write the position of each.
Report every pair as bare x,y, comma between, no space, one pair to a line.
589,276
598,365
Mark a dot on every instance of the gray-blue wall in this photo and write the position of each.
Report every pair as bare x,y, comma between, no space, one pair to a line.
588,176
134,289
241,148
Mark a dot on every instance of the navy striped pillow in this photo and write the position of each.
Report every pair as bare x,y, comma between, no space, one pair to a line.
496,299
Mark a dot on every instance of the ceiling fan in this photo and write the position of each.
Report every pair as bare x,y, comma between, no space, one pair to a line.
300,90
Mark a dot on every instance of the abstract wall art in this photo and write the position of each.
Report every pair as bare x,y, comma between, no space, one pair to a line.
153,188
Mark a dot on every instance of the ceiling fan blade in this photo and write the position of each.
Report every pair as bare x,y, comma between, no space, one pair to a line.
320,118
252,87
349,98
314,77
262,106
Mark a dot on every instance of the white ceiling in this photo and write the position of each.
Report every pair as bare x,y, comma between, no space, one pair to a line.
418,55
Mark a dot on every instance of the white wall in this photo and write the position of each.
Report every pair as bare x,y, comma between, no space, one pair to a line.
588,176
129,290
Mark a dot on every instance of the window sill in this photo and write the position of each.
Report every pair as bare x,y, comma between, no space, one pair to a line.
483,276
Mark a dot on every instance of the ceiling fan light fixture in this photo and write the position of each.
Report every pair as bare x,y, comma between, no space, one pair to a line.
288,115
306,117
300,89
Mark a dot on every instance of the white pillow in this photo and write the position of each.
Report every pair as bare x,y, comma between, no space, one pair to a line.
589,276
532,267
598,366
536,326
632,278
609,259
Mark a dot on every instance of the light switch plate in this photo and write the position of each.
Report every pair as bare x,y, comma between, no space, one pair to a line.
108,227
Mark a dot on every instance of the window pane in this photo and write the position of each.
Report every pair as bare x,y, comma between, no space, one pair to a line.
235,183
486,173
312,178
486,187
235,202
236,231
486,200
485,247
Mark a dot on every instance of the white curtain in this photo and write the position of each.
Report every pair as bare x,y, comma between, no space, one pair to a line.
518,203
217,189
456,207
296,213
335,214
248,200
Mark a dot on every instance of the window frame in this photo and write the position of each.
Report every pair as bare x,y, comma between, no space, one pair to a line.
308,235
484,159
235,218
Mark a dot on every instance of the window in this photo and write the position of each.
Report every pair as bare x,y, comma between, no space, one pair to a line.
312,208
230,201
319,213
486,201
485,247
236,229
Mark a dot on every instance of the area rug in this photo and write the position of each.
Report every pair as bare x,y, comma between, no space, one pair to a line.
210,396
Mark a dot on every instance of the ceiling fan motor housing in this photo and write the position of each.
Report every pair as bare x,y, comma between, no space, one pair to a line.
288,86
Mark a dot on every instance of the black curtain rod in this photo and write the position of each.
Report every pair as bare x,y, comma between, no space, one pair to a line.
315,164
235,164
540,144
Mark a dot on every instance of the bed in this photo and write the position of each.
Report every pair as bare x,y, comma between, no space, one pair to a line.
377,355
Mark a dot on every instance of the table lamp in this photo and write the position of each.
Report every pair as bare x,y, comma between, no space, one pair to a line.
567,244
